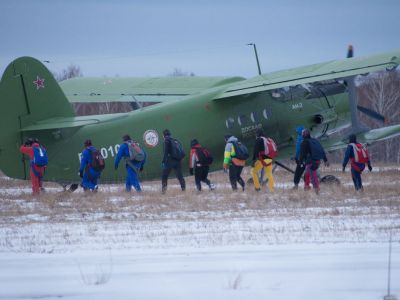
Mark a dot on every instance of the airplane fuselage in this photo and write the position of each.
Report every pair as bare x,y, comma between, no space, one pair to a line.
196,117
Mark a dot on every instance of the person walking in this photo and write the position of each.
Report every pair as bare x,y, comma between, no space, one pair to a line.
38,162
92,164
135,158
311,154
235,156
264,151
358,156
299,167
199,164
172,158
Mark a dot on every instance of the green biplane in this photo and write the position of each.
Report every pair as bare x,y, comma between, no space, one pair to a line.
321,97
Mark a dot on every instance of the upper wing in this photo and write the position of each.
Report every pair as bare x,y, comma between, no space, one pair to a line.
318,72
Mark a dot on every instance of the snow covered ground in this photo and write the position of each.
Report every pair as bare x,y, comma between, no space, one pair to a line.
291,271
213,245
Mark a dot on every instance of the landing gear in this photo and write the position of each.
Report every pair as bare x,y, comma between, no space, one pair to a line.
70,187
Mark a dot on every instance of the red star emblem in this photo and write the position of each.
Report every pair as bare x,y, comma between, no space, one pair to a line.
39,82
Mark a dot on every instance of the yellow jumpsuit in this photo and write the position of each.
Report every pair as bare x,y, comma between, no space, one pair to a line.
268,171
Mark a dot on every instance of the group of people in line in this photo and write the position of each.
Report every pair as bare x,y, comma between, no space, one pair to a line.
308,156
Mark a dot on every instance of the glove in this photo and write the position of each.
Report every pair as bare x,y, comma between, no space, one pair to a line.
81,174
326,163
141,169
191,171
343,169
370,168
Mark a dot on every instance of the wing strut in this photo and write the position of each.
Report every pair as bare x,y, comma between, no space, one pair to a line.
357,126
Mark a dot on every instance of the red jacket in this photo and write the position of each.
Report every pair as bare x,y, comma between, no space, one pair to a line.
28,150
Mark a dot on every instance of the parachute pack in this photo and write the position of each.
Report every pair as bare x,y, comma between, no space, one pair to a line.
360,153
98,164
270,148
317,152
204,156
241,151
176,149
135,151
40,158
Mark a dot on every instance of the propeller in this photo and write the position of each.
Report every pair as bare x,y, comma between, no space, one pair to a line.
371,113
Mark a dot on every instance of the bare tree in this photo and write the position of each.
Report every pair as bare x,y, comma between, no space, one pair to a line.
380,92
179,73
70,72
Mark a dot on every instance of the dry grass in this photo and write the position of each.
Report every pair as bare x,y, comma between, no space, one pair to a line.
112,203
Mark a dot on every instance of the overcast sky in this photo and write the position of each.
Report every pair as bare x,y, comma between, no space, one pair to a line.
206,37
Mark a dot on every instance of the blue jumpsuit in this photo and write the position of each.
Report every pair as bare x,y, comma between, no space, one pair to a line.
90,176
132,178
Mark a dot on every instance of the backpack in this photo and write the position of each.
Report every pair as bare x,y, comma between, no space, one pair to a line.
317,152
98,164
40,158
176,149
204,156
135,151
360,153
270,148
241,151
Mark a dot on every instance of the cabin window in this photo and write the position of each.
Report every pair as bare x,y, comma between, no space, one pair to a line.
266,114
230,122
242,119
255,117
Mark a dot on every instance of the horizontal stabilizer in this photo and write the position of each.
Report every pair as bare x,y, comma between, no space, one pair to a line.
71,122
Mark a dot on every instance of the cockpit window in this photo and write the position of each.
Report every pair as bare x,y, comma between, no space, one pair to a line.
325,88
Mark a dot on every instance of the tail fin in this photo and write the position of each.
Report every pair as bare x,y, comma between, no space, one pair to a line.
28,94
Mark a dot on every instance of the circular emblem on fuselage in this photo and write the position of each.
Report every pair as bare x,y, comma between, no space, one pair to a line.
150,138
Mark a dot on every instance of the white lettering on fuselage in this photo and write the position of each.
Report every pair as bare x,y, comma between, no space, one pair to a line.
250,130
297,106
105,152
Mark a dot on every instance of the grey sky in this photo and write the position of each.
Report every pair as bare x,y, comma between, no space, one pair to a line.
151,38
